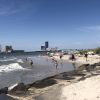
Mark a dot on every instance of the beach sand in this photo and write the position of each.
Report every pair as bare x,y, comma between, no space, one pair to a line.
81,59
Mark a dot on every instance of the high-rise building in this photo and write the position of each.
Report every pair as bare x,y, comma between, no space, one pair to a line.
46,44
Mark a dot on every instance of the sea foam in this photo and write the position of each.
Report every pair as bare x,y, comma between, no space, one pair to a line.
11,67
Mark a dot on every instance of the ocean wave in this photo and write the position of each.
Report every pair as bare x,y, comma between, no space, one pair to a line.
20,61
11,67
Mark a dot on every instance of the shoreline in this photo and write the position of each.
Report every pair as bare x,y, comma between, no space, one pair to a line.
63,79
41,87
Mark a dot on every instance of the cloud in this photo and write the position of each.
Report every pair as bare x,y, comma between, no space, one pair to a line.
7,12
14,6
93,27
90,29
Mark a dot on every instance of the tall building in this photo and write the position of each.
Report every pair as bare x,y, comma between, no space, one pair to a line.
46,44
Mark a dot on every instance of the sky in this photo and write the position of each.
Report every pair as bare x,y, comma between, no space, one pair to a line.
27,24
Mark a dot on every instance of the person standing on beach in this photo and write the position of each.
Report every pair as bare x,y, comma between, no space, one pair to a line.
86,56
61,55
73,57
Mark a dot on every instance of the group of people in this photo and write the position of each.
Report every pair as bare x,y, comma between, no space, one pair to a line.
73,57
55,61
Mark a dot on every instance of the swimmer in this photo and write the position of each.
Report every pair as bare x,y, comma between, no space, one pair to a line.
31,62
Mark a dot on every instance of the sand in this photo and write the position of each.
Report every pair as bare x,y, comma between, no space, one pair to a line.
88,89
81,59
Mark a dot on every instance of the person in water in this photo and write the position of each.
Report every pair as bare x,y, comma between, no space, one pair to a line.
31,62
56,63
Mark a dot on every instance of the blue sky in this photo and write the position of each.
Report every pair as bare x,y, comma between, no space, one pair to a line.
27,24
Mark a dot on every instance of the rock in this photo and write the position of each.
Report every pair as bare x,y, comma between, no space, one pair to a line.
19,88
83,67
4,90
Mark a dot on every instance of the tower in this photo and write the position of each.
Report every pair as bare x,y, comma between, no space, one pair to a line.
46,44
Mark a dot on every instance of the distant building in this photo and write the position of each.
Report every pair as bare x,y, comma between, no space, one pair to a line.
8,49
43,48
46,44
